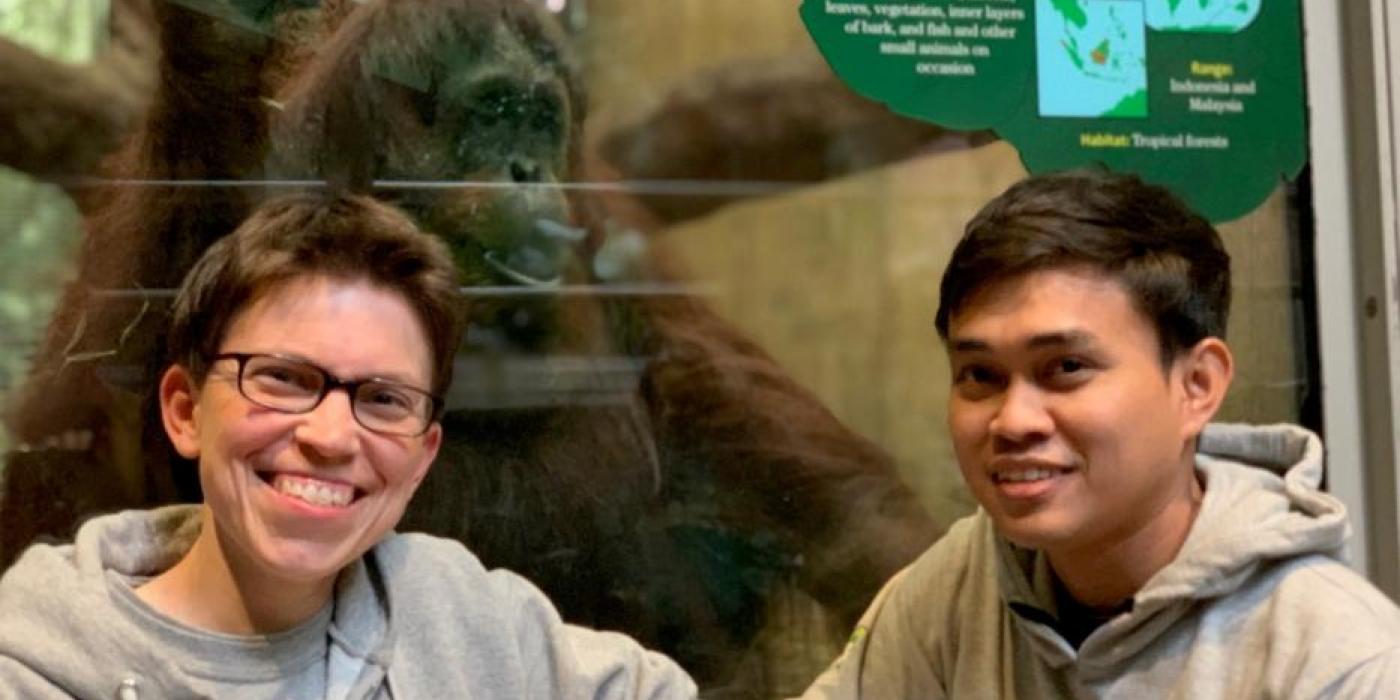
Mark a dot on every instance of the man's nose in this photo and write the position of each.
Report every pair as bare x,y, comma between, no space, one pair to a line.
330,429
1022,417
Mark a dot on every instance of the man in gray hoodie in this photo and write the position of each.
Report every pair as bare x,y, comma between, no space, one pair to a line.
311,350
1123,548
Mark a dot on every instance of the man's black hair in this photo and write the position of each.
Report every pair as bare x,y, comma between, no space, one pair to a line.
1169,259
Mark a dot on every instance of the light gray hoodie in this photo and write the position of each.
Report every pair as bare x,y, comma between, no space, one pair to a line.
416,617
1255,605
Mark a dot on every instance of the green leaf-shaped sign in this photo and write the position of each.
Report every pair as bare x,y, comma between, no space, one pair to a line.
1202,96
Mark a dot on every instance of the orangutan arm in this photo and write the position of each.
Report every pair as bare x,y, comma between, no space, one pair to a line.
719,399
64,118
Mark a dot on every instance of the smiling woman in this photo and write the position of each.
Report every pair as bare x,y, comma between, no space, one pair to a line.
310,351
293,496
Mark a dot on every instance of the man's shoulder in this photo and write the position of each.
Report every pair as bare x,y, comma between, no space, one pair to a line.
1324,598
960,564
1310,623
969,542
908,638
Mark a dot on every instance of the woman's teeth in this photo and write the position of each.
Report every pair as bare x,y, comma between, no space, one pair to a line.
314,491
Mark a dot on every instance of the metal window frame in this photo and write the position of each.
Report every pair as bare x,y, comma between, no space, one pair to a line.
1353,72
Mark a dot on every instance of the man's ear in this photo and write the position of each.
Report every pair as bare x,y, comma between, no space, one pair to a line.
432,440
1206,371
179,401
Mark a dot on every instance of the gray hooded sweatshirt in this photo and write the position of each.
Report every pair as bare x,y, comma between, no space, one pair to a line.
1255,605
416,617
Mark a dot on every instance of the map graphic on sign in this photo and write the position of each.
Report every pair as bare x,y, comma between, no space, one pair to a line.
1092,57
1203,96
1227,16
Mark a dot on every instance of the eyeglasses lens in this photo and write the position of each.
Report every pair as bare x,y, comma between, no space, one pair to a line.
296,387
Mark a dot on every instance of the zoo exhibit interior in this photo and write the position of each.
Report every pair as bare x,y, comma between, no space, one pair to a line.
700,398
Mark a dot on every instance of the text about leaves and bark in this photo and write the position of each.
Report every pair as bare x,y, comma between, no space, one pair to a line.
945,40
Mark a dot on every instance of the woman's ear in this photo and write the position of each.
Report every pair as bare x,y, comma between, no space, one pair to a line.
1206,372
179,403
432,440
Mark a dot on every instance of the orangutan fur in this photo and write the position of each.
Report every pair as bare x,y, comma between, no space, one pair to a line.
648,466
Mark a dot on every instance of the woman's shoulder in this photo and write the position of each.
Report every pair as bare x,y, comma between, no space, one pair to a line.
418,557
426,567
18,680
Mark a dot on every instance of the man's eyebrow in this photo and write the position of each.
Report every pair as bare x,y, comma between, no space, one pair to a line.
1070,338
1061,338
968,345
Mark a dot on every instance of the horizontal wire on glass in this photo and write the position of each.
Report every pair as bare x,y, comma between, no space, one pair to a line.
698,188
571,290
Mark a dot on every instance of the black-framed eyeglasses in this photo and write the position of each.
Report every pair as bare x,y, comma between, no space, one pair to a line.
290,385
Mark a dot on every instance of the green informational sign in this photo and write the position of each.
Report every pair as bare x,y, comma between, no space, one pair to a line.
1203,96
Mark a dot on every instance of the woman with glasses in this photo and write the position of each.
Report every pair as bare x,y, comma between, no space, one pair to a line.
310,353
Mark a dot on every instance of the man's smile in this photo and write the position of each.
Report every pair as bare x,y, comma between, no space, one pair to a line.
1024,479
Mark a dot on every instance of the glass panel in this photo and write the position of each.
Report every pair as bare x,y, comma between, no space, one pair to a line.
720,432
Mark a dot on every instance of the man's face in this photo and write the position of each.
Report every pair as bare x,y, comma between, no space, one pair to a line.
276,483
1067,428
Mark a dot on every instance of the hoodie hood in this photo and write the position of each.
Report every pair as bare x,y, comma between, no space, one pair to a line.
50,597
1261,505
414,616
1254,605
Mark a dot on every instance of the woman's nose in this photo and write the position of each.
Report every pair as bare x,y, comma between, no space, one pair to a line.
330,429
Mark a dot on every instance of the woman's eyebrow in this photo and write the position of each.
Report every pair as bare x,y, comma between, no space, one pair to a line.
390,376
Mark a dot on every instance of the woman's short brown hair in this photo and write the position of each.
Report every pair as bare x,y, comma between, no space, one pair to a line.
339,236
